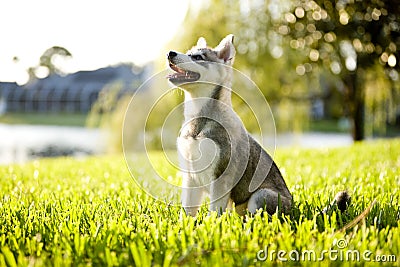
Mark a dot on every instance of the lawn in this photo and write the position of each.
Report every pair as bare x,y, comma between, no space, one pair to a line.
63,212
58,119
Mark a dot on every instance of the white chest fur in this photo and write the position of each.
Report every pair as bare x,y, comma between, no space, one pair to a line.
198,158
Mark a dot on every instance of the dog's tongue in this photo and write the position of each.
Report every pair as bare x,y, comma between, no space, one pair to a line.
181,74
176,68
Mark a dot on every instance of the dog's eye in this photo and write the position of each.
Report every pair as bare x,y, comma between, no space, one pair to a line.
197,57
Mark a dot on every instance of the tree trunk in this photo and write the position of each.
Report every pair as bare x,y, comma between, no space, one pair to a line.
356,104
358,117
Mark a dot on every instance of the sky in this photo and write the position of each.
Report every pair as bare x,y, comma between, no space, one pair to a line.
97,33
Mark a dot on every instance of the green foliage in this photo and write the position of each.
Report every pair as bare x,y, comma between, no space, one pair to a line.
118,116
260,53
350,38
381,101
279,42
47,59
336,31
48,62
108,113
90,212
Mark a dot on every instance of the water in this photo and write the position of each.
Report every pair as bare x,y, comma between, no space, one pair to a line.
20,143
313,140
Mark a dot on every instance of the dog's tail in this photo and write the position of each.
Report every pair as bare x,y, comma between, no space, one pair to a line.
342,201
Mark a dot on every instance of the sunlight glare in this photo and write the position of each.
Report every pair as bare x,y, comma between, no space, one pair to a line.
97,33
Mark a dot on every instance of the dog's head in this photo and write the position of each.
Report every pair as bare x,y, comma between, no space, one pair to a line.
202,64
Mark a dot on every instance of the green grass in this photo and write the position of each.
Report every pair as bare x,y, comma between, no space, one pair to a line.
326,125
59,119
63,212
333,126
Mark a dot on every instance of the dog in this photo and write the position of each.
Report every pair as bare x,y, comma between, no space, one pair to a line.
217,156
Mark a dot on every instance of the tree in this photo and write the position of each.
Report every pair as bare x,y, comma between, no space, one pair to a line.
250,24
260,54
47,61
349,38
48,58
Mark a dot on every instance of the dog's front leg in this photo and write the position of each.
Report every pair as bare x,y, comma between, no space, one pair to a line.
191,197
219,197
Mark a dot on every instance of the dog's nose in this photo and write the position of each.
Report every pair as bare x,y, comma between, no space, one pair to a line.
172,54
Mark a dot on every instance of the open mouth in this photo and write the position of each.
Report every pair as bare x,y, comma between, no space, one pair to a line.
180,75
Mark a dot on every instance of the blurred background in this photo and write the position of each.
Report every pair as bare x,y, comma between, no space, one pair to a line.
68,69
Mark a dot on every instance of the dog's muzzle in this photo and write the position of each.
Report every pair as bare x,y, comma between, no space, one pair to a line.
180,75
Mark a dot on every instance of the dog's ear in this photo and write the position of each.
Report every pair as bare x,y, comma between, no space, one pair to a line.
201,43
226,50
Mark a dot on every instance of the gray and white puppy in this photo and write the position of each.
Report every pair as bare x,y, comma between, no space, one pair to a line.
218,157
